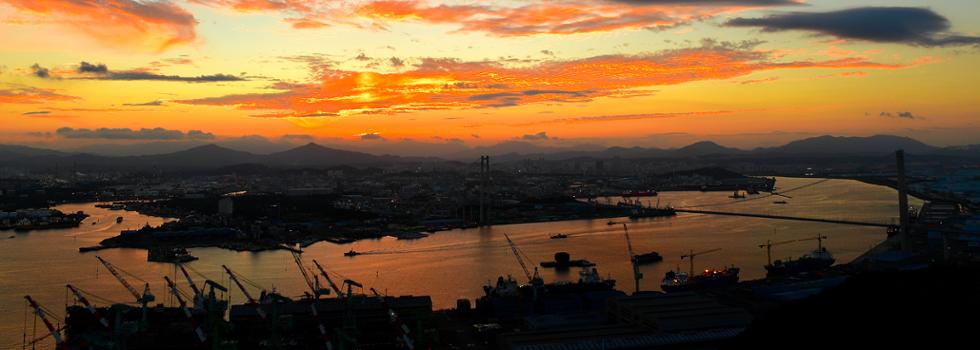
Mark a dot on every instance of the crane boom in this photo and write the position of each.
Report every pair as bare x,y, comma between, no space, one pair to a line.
40,313
520,260
340,293
251,300
95,312
690,257
112,269
769,244
190,281
306,275
187,311
404,332
629,244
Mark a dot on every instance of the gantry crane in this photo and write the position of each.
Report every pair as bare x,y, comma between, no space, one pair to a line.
690,256
60,343
637,275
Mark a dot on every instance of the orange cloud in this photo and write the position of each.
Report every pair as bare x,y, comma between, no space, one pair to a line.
453,84
155,26
32,96
549,17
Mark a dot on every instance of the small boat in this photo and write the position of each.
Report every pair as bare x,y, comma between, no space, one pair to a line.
611,223
119,219
94,222
779,202
352,253
647,258
559,236
168,255
563,261
737,194
11,237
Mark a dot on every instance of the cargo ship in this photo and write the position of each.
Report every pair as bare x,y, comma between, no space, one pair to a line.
563,261
710,278
816,260
647,258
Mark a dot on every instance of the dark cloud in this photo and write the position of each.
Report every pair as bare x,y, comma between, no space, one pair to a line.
36,113
151,103
903,25
86,67
40,72
396,62
101,72
535,137
299,137
131,134
371,136
901,115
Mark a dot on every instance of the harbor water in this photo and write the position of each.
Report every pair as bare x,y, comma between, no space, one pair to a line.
453,264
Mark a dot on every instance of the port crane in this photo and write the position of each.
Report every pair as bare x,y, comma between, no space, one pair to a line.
187,311
404,332
39,311
637,275
532,279
248,296
310,282
95,312
336,290
690,257
142,298
769,244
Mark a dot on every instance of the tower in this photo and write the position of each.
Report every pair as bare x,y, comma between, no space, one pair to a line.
484,184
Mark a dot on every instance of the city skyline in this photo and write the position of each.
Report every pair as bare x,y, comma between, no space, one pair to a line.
664,73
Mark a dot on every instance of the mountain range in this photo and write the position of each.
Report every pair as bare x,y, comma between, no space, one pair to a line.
211,156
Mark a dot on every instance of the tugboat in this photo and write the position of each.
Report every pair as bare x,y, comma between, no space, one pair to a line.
559,236
676,281
119,219
352,253
819,259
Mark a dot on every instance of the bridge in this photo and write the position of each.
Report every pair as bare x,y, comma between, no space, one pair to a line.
783,217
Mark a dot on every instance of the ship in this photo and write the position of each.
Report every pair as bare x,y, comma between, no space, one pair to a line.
737,194
563,261
119,219
169,255
779,202
711,278
648,193
816,260
647,258
352,253
559,236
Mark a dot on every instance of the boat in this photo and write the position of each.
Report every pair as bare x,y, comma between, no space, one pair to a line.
711,278
652,212
647,258
737,194
752,191
119,219
610,222
779,202
169,255
352,253
563,261
559,236
411,235
816,260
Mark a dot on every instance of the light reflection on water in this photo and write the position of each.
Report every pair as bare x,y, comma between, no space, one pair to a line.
454,264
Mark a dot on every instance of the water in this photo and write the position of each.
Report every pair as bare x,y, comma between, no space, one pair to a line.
452,264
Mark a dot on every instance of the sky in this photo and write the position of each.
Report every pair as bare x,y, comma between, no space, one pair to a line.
368,73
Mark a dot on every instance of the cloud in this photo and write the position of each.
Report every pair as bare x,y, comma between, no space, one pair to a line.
40,72
447,84
535,137
501,18
371,136
900,115
30,95
36,113
396,62
126,24
101,72
131,134
150,103
902,25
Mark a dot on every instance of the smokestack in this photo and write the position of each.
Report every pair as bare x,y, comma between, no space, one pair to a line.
903,200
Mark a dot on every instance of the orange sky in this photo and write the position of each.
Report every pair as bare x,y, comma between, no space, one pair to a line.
606,72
